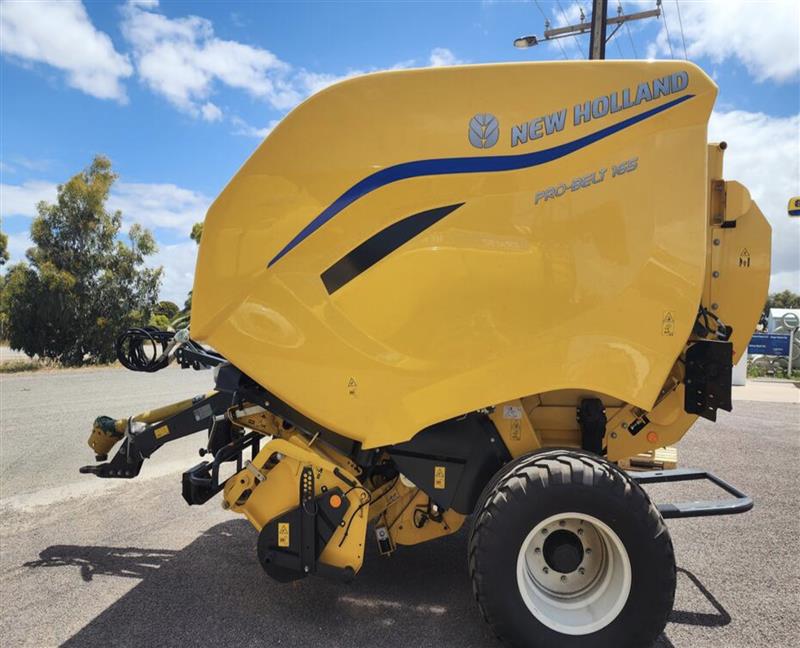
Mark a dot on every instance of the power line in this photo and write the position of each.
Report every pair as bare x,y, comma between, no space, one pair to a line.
619,49
628,29
666,26
680,22
566,21
598,28
547,25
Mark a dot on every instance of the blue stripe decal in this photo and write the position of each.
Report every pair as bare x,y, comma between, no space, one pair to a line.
446,166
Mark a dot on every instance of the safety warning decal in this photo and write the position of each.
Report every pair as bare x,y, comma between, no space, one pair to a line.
512,412
283,534
439,477
744,258
668,323
161,431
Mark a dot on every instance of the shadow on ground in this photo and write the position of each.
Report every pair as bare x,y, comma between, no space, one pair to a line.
214,592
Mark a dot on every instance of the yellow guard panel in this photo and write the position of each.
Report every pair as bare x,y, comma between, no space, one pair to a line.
408,246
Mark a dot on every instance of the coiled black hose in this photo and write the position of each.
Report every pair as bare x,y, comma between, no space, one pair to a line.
143,349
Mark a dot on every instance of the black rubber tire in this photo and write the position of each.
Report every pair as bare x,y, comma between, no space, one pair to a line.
535,487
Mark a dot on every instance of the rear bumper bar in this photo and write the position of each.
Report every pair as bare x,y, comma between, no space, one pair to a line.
739,503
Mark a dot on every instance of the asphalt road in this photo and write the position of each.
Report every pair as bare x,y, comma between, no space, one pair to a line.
87,562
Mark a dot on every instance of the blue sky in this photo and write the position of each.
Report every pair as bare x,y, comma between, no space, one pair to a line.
178,94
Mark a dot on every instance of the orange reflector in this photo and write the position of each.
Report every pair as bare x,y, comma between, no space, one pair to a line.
335,501
652,437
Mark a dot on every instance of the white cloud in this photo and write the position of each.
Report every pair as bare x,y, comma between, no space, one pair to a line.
151,205
574,46
159,205
441,56
761,35
243,128
60,34
178,261
764,155
182,60
18,244
20,200
210,112
309,83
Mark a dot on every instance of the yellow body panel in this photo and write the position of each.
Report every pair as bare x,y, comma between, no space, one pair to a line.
594,290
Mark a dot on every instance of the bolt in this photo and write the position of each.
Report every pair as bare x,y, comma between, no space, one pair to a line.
581,571
714,306
563,579
716,241
306,569
545,570
613,435
715,274
624,426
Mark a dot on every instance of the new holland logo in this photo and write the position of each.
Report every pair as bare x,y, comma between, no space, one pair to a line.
484,130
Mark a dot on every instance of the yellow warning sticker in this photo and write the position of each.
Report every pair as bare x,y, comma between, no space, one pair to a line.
744,258
283,534
439,477
162,431
668,323
516,429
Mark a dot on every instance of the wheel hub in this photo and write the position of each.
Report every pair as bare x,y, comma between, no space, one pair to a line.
574,573
563,551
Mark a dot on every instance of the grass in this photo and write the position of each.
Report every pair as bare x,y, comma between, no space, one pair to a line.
756,371
30,364
16,366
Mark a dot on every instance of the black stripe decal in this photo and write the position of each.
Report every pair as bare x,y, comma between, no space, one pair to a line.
381,245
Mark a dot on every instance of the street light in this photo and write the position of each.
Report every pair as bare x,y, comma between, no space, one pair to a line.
524,42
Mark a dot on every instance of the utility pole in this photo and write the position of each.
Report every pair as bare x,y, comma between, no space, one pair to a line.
597,28
597,36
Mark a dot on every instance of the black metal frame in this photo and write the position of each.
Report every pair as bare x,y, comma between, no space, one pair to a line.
201,482
740,503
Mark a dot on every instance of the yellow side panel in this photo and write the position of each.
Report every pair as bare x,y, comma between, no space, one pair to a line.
504,297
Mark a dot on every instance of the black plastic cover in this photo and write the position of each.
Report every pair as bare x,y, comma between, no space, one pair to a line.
453,461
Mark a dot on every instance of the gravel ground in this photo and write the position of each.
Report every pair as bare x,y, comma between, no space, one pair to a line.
85,562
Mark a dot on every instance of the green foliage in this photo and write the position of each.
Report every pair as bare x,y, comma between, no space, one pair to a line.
82,286
785,299
775,371
159,321
166,308
3,248
197,232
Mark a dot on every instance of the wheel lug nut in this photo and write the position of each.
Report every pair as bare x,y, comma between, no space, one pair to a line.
544,531
563,579
537,550
581,571
545,570
588,550
580,531
562,523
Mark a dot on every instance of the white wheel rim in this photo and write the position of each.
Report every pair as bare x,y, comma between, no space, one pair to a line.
595,578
